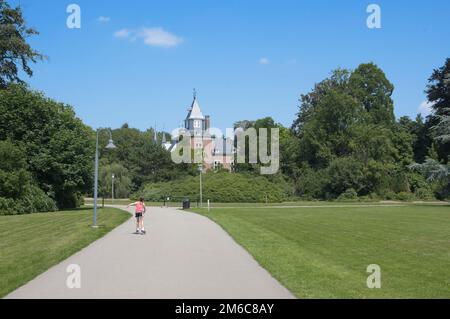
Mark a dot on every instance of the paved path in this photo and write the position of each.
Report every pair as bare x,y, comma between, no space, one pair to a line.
183,255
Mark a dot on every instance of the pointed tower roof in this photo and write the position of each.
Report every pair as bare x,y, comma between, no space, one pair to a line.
194,110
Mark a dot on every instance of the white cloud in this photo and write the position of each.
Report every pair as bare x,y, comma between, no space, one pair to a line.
151,36
159,37
264,61
123,33
103,19
425,108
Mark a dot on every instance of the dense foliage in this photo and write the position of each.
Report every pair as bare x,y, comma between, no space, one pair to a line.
349,143
141,157
220,187
14,50
56,148
345,143
436,168
18,192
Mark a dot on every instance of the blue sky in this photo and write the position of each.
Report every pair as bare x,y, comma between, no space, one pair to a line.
138,61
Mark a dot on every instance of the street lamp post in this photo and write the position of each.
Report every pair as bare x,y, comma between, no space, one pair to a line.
109,146
200,168
112,187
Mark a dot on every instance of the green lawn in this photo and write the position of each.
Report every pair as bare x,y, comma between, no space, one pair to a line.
178,203
30,244
323,252
318,203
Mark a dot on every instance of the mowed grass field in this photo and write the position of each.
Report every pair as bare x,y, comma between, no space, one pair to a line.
323,252
195,204
30,244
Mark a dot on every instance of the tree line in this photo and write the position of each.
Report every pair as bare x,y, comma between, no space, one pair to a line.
348,142
345,143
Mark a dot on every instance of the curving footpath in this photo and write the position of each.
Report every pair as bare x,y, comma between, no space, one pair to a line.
184,255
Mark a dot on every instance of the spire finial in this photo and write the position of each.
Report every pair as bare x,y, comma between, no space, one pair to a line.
194,93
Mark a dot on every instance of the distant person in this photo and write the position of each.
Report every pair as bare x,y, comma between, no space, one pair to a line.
139,214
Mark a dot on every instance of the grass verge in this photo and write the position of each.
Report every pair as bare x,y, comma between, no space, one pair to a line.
324,252
31,244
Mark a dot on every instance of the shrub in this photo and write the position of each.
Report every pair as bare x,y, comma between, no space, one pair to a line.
7,206
219,187
33,201
312,184
441,189
345,173
389,195
349,194
416,181
424,193
14,175
405,196
54,143
36,201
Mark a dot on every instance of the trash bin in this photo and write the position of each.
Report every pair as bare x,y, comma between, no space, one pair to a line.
186,203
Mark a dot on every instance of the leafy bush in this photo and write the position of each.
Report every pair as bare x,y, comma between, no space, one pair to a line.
14,175
33,201
377,177
424,193
405,196
220,187
349,194
55,144
416,181
442,190
8,206
36,201
389,195
399,182
312,184
345,173
18,193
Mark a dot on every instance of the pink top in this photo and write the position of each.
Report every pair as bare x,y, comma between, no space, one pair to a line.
139,207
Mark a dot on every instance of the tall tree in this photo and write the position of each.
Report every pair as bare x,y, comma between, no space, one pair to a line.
442,128
59,148
349,141
308,102
438,89
369,85
438,93
15,52
122,180
144,159
14,174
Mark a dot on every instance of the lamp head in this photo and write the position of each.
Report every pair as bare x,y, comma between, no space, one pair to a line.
110,144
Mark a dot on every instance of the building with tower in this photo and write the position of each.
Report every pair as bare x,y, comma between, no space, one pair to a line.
218,151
